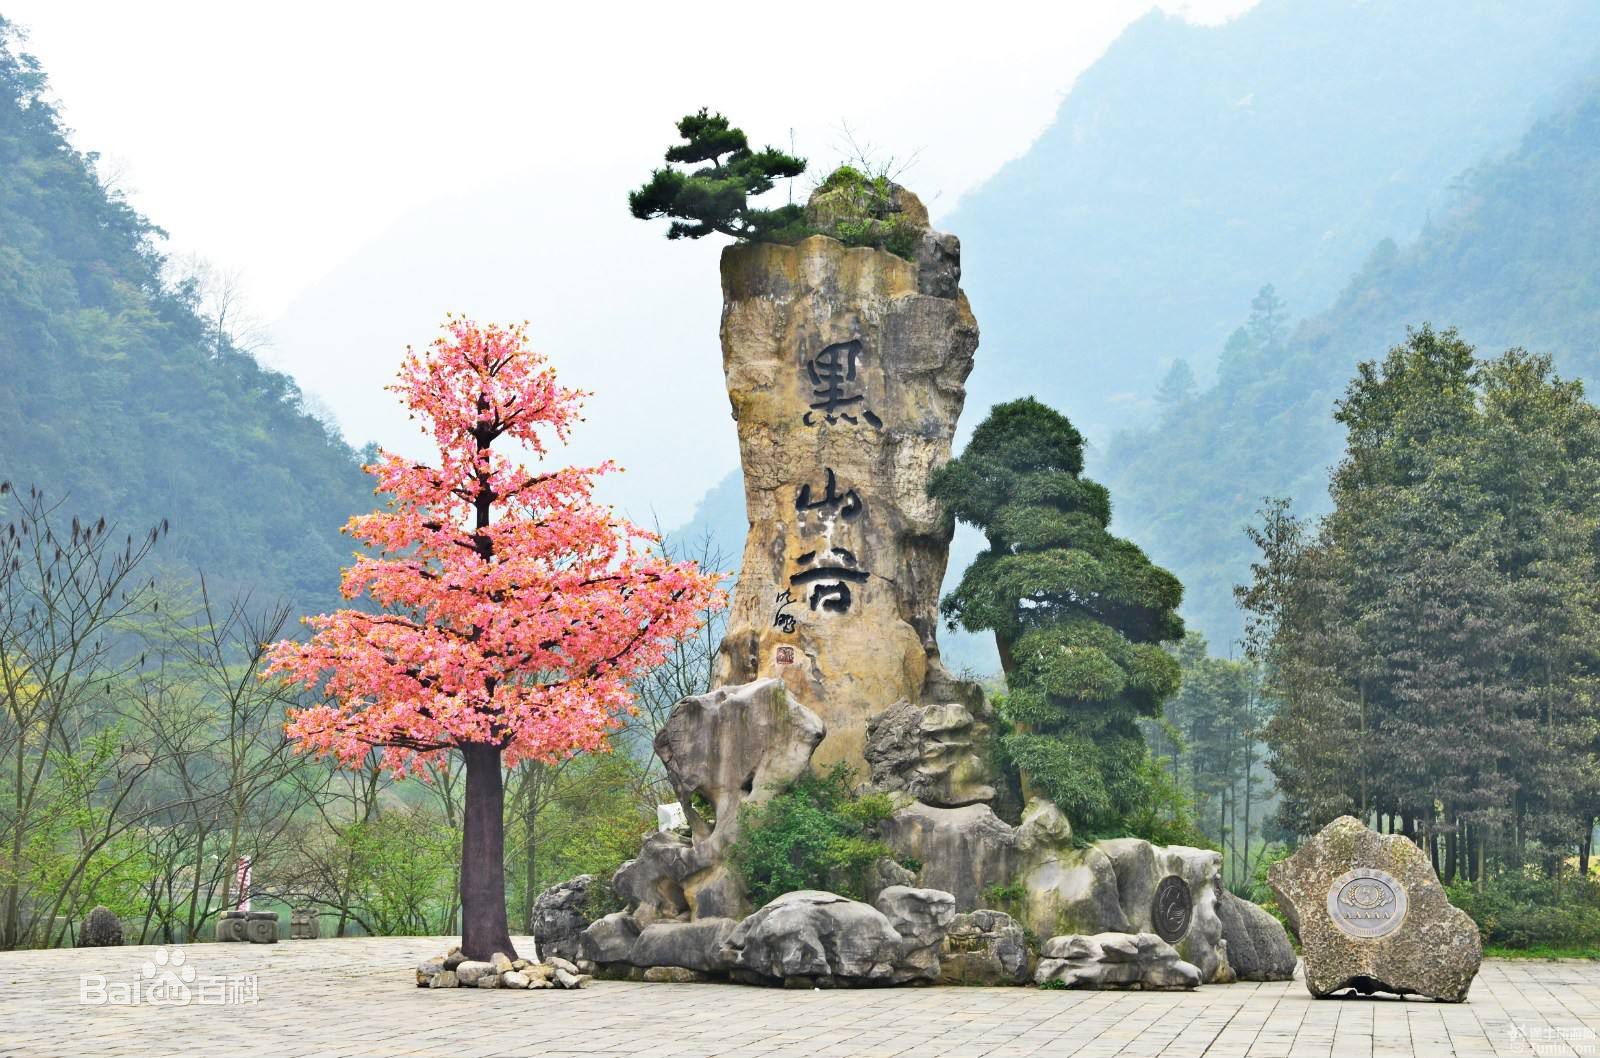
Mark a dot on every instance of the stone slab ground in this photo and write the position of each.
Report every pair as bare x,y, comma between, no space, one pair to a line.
353,998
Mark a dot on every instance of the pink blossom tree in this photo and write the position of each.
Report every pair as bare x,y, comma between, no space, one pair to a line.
513,610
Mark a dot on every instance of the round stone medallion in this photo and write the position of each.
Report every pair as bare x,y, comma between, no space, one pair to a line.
1367,903
1172,909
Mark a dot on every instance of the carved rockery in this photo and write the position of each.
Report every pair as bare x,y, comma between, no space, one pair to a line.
846,371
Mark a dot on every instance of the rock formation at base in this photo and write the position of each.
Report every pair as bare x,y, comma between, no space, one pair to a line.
560,915
811,938
985,948
1115,960
1371,915
846,371
733,748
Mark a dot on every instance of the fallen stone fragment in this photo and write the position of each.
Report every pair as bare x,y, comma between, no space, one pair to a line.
502,962
514,979
444,979
1371,915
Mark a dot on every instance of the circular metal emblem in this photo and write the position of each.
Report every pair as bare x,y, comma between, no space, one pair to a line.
1367,903
1172,909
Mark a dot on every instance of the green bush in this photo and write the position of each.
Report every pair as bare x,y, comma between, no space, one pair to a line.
815,835
1529,910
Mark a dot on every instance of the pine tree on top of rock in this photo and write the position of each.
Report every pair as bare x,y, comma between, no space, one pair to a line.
715,197
1078,614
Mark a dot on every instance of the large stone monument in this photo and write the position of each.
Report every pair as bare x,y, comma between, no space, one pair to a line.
846,369
1371,915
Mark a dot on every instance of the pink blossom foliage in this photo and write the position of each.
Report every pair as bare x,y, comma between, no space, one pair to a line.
514,608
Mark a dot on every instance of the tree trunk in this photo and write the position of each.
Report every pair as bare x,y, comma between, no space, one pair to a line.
530,834
484,928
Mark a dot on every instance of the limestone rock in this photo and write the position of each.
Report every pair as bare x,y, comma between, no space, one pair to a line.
567,979
470,972
887,872
921,917
674,975
985,947
1258,947
964,851
488,981
560,914
502,962
696,945
1182,912
1067,889
1115,960
937,754
735,747
101,929
427,970
846,371
444,979
609,939
1371,915
813,934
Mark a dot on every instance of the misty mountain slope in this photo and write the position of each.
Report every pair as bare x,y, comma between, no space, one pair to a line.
1515,261
1192,164
122,399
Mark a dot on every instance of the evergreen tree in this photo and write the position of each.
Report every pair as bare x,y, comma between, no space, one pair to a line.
1078,614
1433,641
715,197
1176,386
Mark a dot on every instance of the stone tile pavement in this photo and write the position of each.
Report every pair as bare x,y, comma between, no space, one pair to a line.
321,999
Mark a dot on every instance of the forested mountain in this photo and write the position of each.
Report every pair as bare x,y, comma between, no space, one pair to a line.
123,397
1515,261
1191,164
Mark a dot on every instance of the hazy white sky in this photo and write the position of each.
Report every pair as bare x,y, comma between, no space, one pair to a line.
363,166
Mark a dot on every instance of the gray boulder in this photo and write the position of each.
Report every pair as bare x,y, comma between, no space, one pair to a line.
560,915
1172,891
1258,946
964,851
937,754
1115,960
921,917
101,928
609,940
818,936
1371,915
733,747
985,947
694,945
471,973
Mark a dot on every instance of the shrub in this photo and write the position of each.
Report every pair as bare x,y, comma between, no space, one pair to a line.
815,835
1530,910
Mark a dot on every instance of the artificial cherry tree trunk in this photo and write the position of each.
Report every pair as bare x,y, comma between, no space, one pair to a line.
484,925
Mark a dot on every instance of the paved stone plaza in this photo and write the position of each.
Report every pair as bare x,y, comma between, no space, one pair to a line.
352,997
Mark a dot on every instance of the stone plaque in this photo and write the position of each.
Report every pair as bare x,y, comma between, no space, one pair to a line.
1171,909
1367,903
